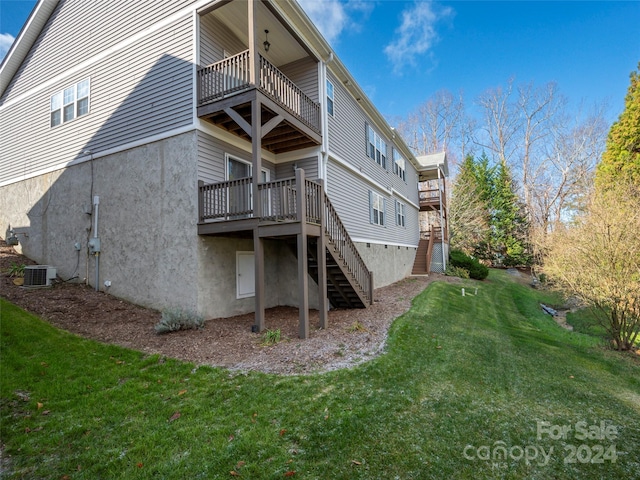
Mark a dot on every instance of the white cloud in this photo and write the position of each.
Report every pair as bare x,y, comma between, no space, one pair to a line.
6,40
332,17
416,34
329,16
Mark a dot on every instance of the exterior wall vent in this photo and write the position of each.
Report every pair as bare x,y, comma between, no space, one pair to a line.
39,275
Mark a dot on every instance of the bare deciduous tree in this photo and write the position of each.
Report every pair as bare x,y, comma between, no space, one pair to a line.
598,260
435,124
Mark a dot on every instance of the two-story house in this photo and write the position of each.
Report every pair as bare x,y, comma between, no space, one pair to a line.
215,156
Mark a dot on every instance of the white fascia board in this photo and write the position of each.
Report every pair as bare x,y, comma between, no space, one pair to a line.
26,38
102,153
365,177
401,196
110,51
378,242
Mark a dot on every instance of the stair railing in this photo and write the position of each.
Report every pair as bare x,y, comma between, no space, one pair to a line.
346,249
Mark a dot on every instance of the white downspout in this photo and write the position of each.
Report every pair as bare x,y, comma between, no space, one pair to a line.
322,171
444,264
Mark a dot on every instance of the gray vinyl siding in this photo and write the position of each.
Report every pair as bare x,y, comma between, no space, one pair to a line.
80,29
309,165
350,192
347,134
215,39
141,91
211,158
350,197
304,73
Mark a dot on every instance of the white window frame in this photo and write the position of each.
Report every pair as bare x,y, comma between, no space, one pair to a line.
64,105
399,165
401,214
266,177
376,147
330,98
377,208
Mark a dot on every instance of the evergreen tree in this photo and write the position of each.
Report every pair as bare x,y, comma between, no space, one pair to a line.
486,217
509,226
484,178
469,208
621,160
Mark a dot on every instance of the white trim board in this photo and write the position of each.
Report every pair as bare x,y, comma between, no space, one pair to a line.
106,53
386,190
103,153
378,242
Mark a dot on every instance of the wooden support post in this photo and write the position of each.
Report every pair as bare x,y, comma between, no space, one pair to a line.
371,299
253,42
258,252
303,273
322,281
256,147
200,202
323,303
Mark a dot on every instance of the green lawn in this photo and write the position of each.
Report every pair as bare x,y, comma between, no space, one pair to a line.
463,378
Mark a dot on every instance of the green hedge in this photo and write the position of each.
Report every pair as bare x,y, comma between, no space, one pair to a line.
476,270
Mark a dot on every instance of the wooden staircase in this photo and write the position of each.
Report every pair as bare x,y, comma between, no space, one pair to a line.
349,281
422,262
343,290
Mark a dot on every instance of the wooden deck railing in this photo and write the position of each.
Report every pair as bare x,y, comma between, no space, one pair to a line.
223,78
433,232
233,74
432,197
277,86
228,200
232,200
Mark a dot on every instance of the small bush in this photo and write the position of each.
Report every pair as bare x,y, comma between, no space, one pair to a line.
476,270
452,271
271,337
357,326
17,270
175,319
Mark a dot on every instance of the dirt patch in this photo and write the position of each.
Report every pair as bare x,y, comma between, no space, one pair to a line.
226,342
561,319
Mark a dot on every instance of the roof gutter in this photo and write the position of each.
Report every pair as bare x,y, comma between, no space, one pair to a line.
309,31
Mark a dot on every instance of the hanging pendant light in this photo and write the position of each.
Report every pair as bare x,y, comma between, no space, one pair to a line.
266,42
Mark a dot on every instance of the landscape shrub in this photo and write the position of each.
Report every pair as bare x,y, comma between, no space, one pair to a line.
452,271
476,270
174,319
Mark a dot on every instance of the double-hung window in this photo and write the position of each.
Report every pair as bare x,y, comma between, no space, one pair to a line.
399,166
330,98
70,103
376,147
376,208
400,214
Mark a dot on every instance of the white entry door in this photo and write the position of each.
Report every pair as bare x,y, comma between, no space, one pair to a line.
245,275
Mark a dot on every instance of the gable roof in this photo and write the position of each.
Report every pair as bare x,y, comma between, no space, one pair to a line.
25,40
292,10
429,165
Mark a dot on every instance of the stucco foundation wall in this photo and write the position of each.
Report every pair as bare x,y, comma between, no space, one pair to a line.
389,263
217,292
147,221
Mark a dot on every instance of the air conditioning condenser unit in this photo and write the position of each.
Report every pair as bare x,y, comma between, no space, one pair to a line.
39,275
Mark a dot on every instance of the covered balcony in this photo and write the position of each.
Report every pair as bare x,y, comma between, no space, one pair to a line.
274,68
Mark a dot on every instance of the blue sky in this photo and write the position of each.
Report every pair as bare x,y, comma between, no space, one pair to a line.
401,52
